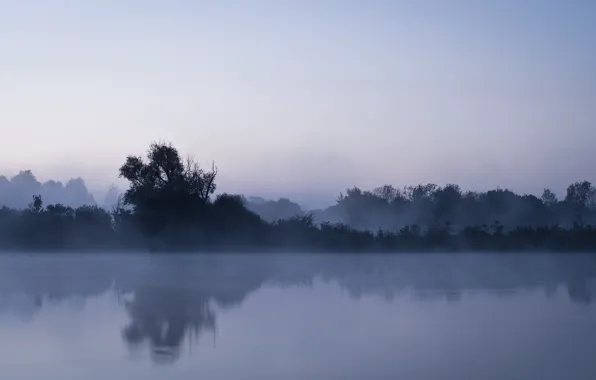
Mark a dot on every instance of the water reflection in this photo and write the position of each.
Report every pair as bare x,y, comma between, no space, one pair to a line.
164,317
171,301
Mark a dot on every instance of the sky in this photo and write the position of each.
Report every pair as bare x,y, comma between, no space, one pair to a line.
304,98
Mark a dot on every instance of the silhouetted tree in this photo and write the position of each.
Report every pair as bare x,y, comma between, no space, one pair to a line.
548,198
165,192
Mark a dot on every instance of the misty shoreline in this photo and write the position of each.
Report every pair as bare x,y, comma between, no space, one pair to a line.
170,206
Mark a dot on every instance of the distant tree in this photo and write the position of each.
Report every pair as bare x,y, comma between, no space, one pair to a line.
22,187
272,211
111,197
76,193
420,193
548,198
388,193
36,205
447,201
581,194
4,191
53,192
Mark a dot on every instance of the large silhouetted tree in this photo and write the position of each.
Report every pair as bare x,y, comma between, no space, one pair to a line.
165,190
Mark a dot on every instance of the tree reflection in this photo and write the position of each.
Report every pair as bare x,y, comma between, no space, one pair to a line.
579,291
175,301
164,317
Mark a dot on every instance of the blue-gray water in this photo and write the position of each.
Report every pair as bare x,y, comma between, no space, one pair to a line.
298,317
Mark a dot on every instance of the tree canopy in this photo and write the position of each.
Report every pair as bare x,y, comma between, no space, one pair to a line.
164,189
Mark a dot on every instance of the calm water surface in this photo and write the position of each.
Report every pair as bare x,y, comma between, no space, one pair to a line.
298,317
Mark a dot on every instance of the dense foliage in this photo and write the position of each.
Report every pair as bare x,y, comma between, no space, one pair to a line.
170,205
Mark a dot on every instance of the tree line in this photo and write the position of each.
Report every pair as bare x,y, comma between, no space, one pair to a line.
170,205
389,208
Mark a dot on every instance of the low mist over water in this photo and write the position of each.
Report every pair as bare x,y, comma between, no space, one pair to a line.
467,316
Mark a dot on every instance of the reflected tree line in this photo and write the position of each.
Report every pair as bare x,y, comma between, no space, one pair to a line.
170,206
174,303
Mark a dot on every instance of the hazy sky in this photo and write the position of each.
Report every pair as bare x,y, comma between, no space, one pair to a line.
304,97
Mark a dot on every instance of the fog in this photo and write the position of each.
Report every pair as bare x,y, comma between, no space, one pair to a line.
174,305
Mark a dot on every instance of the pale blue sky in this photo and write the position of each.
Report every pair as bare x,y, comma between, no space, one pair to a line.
304,97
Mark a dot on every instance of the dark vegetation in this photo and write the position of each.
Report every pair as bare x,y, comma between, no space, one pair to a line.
170,206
